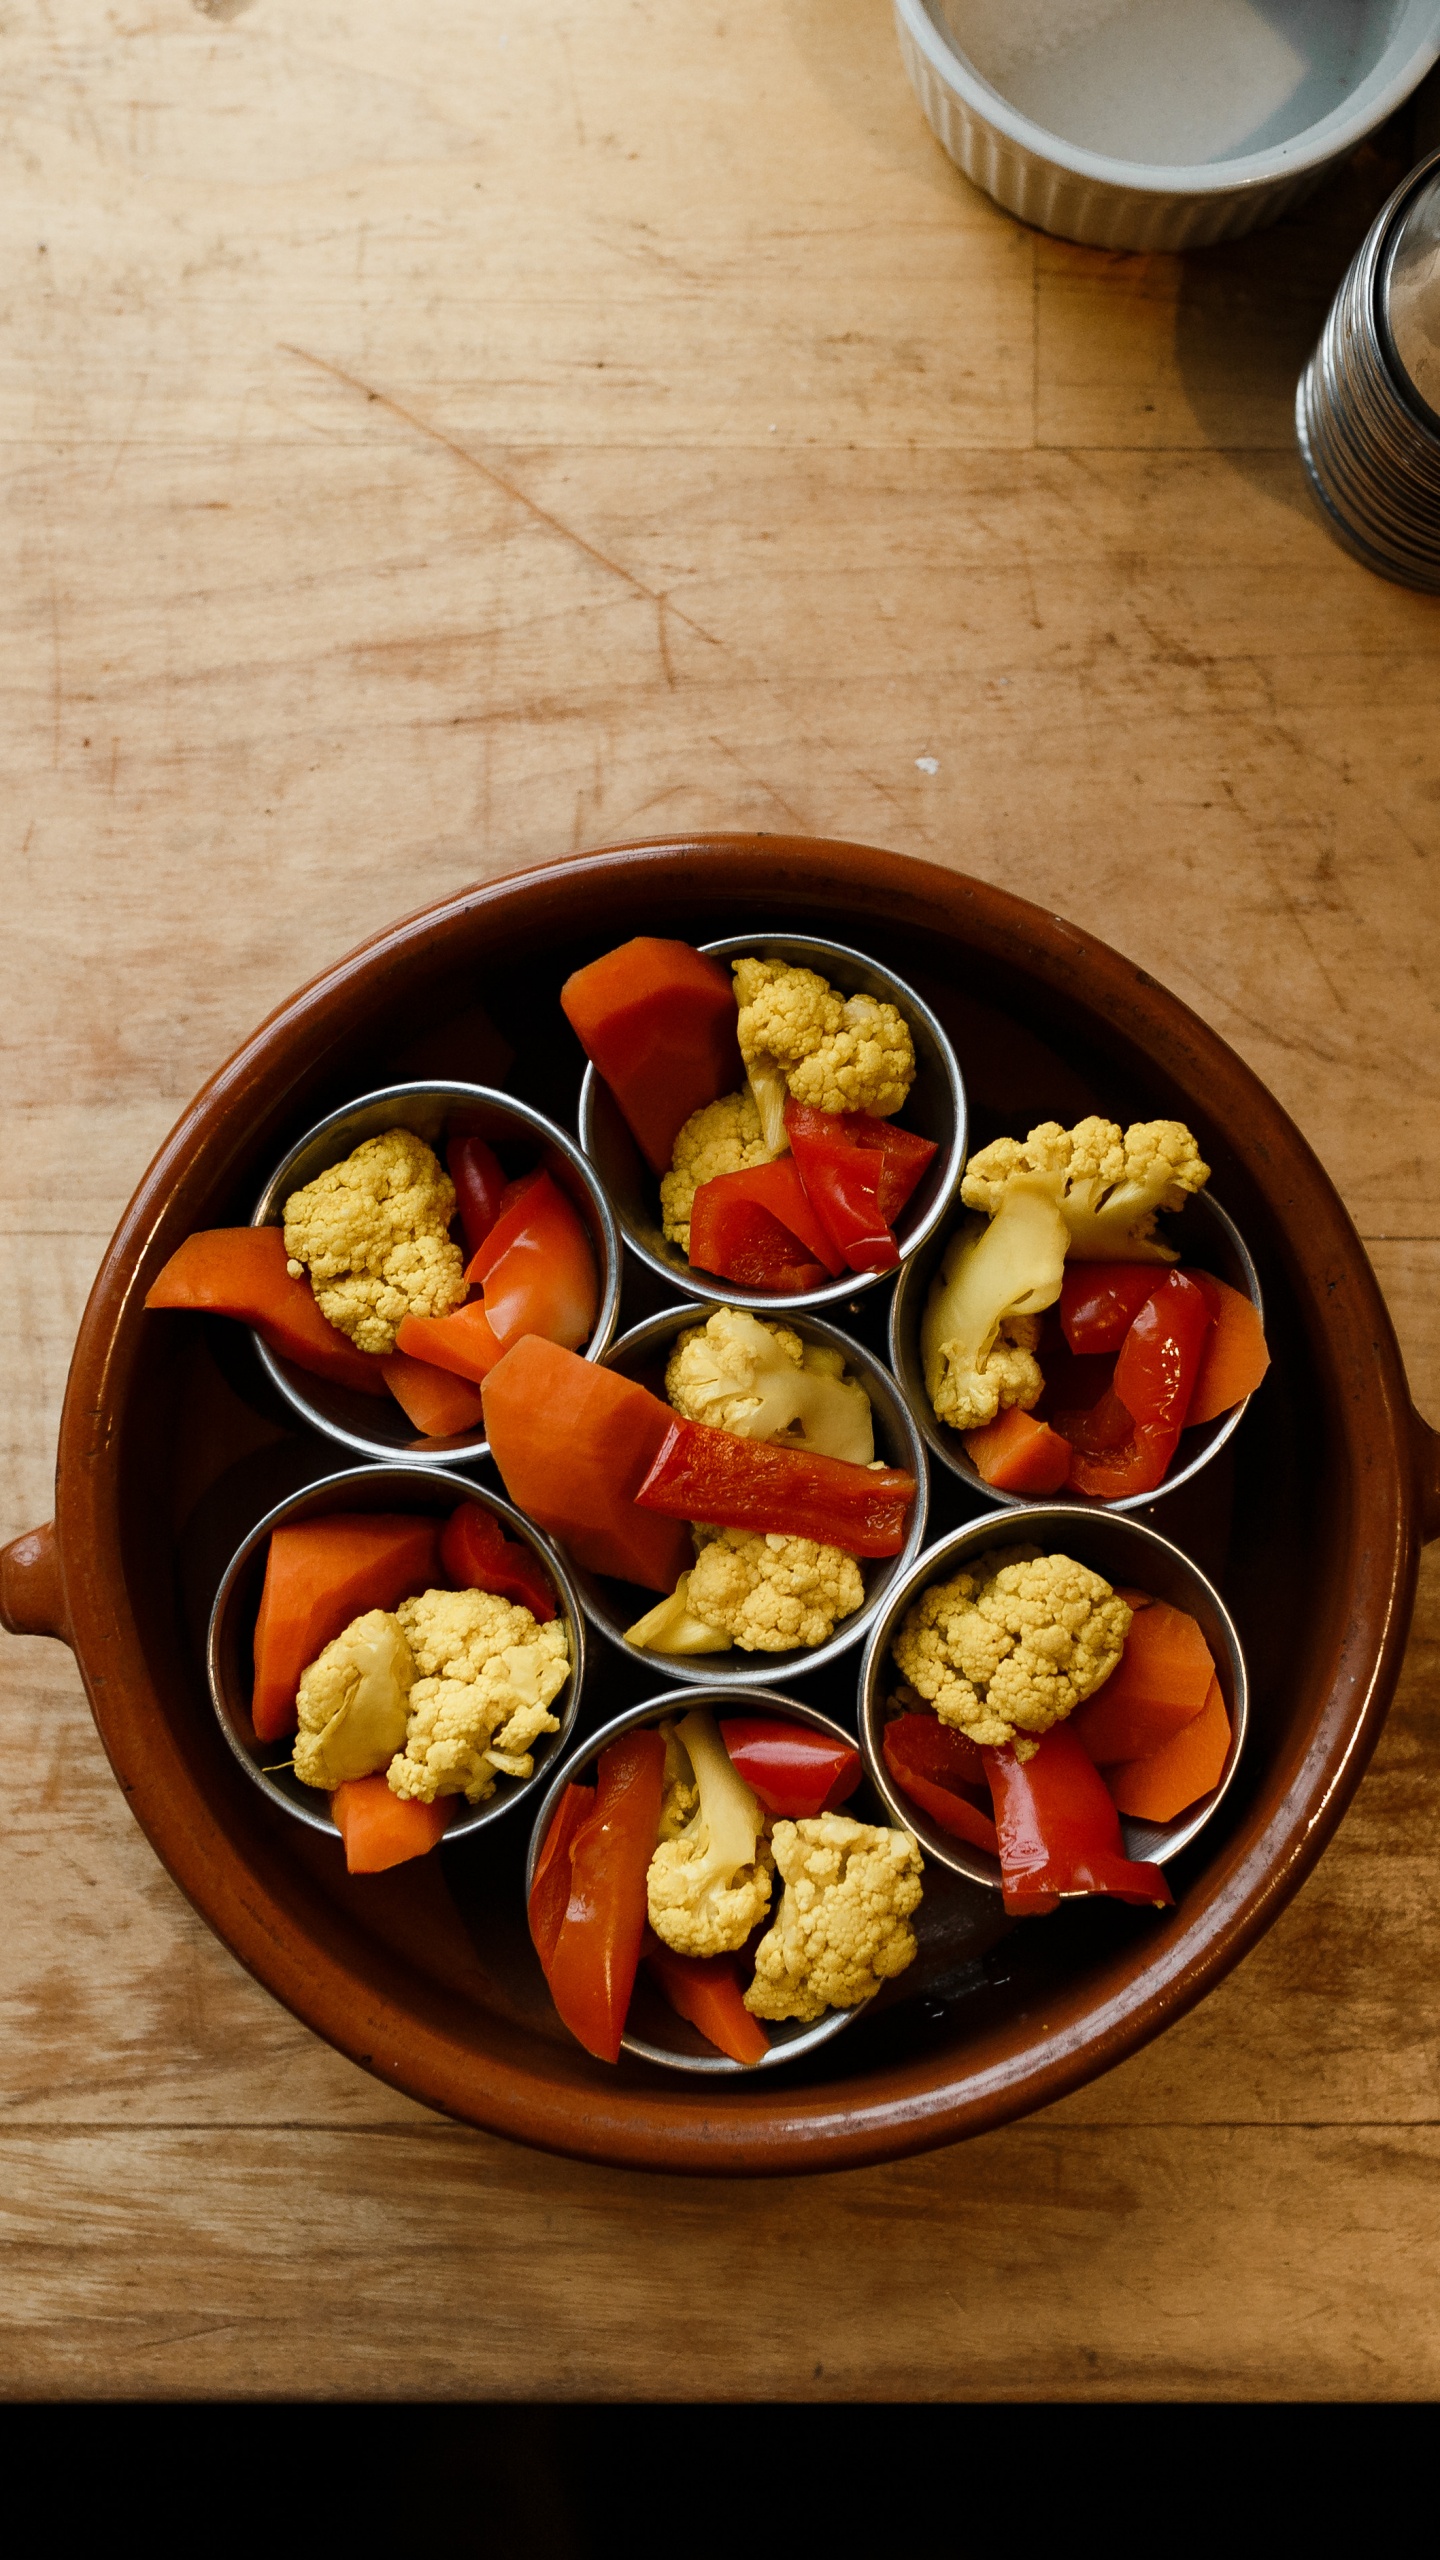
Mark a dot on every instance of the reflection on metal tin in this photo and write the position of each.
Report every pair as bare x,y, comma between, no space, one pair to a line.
1367,411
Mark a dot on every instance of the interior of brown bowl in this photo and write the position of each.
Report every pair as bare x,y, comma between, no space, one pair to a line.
174,1443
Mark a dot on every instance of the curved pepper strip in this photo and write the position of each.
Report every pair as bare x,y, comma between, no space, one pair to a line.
793,1770
859,1173
478,1556
937,1767
1059,1831
550,1890
706,1991
1155,1377
702,1473
597,1952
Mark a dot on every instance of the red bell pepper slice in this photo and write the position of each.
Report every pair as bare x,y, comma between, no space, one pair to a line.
702,1473
859,1172
537,1266
758,1227
1018,1454
479,1180
1104,1426
550,1886
941,1771
706,1990
794,1771
478,1556
597,1952
1155,1378
1100,1301
1059,1831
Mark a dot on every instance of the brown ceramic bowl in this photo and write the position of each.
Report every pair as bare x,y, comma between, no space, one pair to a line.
170,1447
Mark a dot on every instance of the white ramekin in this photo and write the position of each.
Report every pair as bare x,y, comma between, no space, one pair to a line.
1136,204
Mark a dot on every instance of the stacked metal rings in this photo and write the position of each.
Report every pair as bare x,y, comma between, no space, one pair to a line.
1367,411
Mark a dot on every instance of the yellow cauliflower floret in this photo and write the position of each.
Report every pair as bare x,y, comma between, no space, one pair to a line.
709,1883
843,1926
1004,1650
487,1675
722,1137
374,1235
770,1592
353,1702
832,1052
1109,1183
742,1373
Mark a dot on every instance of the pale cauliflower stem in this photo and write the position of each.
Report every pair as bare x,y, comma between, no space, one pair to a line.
1004,1651
709,1882
843,1926
1109,1184
488,1674
722,1137
374,1235
760,1381
980,1328
800,1039
353,1703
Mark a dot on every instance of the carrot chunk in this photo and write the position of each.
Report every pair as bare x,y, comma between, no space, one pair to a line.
1185,1768
243,1272
1235,1358
434,1400
657,1021
706,1991
1161,1684
381,1829
574,1443
319,1574
1017,1454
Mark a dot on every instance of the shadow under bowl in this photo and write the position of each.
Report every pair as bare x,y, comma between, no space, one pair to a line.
935,1109
1208,1239
1127,1552
611,1607
374,1426
658,2034
230,1646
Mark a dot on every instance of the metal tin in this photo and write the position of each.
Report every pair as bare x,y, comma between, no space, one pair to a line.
228,1656
1207,1237
1365,408
365,1424
935,1109
1129,202
646,1347
1124,1551
685,2049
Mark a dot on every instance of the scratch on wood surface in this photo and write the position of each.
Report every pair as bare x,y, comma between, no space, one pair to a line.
762,785
497,479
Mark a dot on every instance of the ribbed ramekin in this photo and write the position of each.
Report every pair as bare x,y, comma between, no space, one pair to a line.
1135,204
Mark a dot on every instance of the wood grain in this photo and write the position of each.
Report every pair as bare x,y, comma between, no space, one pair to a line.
434,441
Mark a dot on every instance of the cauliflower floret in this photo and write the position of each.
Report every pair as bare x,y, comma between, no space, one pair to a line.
833,1052
771,1591
1004,1650
673,1627
843,1926
709,1884
1108,1183
353,1702
722,1137
374,1234
681,1797
980,1328
488,1676
762,1382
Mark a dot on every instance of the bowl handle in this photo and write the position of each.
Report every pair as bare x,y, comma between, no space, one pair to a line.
1426,1443
32,1593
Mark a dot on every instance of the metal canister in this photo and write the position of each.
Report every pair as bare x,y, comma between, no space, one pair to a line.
1367,411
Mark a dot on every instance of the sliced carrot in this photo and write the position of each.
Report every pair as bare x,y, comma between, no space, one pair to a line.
1017,1454
381,1829
435,1400
574,1442
243,1272
462,1343
657,1021
319,1574
1184,1769
706,1991
1161,1683
1235,1358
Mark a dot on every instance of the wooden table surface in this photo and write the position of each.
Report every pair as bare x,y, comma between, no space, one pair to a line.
438,439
